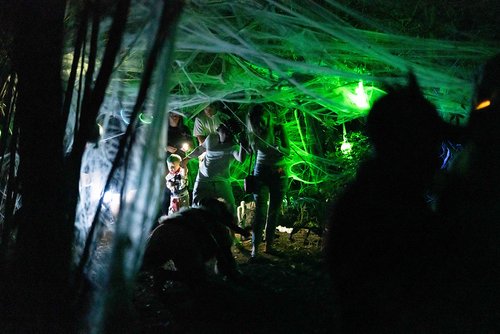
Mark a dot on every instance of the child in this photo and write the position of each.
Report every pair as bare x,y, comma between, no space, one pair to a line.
176,182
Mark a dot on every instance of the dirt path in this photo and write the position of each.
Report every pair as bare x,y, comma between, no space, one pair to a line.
284,293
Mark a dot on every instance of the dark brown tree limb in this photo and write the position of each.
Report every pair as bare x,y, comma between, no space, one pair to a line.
79,42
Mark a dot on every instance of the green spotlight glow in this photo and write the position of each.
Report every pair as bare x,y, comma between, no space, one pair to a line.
145,119
360,98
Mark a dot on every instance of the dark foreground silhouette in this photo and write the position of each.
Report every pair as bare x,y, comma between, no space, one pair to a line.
383,238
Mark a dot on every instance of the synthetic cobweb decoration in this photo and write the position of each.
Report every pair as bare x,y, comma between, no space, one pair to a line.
314,66
283,51
113,119
122,171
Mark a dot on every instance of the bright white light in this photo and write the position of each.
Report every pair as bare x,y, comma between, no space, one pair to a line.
284,229
109,196
112,200
360,99
96,188
101,129
346,147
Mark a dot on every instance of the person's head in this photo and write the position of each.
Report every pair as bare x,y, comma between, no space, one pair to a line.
406,129
174,119
210,110
259,120
174,163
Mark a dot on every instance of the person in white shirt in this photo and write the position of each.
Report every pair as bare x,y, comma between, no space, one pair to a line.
207,122
213,179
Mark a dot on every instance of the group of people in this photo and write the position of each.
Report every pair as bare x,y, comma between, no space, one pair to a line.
223,139
399,264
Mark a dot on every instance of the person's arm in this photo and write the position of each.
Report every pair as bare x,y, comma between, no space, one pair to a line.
243,140
240,211
199,130
282,142
170,185
240,154
201,139
233,226
199,150
184,178
171,149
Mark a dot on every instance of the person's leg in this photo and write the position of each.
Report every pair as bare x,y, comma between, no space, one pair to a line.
165,203
174,204
261,195
224,190
204,190
196,193
276,194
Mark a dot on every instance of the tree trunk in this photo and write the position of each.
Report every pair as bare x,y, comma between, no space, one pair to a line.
43,247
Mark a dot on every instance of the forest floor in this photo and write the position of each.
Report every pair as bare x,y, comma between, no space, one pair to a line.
289,292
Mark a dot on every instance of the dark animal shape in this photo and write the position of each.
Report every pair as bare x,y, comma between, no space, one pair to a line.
190,238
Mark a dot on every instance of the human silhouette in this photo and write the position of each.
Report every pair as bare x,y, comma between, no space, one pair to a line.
470,207
220,149
269,142
176,181
382,239
179,140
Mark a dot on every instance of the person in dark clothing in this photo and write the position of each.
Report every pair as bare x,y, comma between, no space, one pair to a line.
469,205
270,144
382,242
179,139
191,237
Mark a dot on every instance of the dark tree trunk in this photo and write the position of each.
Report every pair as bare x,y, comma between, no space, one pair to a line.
43,247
